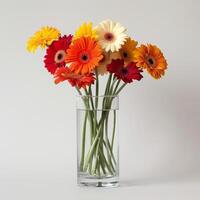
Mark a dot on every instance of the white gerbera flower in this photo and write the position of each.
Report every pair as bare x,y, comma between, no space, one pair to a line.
111,35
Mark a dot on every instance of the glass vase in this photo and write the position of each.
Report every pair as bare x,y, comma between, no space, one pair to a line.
97,141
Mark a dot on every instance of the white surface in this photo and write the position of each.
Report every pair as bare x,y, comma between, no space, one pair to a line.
159,120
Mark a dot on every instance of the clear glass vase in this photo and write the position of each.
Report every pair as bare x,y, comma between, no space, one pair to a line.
97,141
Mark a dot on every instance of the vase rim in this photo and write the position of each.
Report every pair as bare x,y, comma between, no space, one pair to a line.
99,96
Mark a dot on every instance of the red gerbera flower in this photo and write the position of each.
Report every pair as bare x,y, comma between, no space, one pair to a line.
56,52
126,73
81,81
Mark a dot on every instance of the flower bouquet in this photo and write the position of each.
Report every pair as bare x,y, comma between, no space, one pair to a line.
82,60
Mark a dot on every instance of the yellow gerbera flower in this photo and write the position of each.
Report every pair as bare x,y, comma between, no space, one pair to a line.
85,30
126,51
44,37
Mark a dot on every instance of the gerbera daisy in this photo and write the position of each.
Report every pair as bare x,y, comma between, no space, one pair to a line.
80,81
107,58
111,35
126,51
151,58
85,30
83,55
44,37
56,52
127,74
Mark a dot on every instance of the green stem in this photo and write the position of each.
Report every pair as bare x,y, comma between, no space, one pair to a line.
78,90
83,142
112,85
105,97
102,165
93,115
119,90
110,150
95,118
89,94
106,143
97,89
108,86
114,127
118,82
91,151
97,155
106,163
90,117
93,145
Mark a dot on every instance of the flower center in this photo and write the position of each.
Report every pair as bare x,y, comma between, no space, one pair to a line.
124,71
151,61
59,56
84,57
125,54
109,37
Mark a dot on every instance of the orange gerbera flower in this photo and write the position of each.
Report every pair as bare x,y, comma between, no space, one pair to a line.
83,55
80,81
126,51
150,57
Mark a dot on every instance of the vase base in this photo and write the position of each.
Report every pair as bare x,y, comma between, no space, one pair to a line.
107,182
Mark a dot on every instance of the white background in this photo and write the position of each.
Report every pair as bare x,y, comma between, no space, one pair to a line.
159,120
